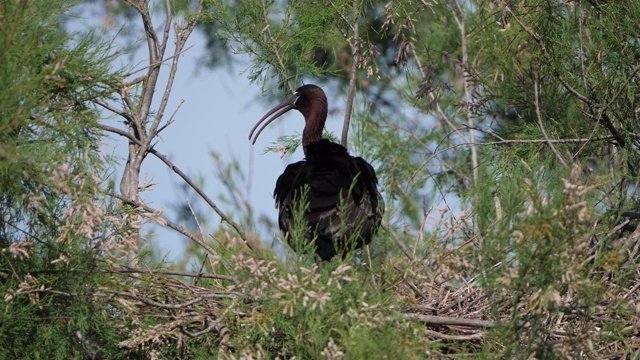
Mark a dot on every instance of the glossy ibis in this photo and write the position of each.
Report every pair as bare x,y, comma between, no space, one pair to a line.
345,207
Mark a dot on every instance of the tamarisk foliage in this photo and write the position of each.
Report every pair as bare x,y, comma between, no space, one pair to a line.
504,135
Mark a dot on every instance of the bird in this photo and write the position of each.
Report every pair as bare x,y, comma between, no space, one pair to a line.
345,207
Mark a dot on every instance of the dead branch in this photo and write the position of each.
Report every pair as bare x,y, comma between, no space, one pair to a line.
187,179
197,238
450,337
154,303
171,272
143,129
353,73
445,320
468,90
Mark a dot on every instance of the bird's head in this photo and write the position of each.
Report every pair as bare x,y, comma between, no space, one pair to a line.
310,100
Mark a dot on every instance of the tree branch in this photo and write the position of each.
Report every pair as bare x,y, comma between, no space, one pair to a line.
450,337
547,56
355,58
188,180
544,132
468,91
446,320
273,45
197,238
182,34
171,272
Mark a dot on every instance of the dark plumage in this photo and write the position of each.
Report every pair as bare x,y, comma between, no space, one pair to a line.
344,202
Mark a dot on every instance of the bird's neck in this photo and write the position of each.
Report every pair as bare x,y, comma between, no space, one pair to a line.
314,124
312,132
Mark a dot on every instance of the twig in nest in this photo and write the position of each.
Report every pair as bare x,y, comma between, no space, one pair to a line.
446,320
449,337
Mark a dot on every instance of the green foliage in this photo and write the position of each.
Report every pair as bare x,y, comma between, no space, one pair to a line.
288,41
541,260
519,141
312,311
49,171
297,236
58,318
580,66
505,136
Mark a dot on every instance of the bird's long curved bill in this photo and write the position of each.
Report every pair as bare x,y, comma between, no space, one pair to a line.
277,111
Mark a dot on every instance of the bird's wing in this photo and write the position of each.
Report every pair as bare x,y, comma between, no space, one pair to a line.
342,203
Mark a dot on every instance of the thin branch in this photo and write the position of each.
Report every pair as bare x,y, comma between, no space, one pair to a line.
273,44
167,27
544,132
144,77
219,328
56,292
432,96
447,320
131,107
172,118
450,337
155,303
537,141
171,272
468,98
135,81
583,72
204,196
197,238
624,86
547,56
425,217
355,58
153,46
182,34
188,180
114,110
202,332
401,244
346,21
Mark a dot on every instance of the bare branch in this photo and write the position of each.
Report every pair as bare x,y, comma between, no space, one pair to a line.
114,110
197,238
468,91
135,81
187,179
144,77
401,244
355,57
182,34
172,118
155,55
171,272
451,337
155,303
446,320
